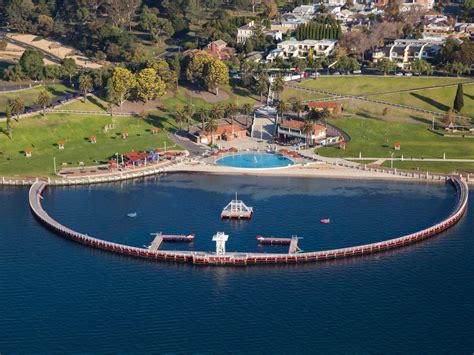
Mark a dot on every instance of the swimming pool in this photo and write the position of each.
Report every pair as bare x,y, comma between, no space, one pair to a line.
255,161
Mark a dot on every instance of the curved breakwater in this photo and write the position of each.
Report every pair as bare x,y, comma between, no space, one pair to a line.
207,258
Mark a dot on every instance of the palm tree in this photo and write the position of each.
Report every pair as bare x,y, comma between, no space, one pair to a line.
211,126
216,112
297,106
247,110
282,107
232,110
313,115
307,129
278,85
262,85
180,117
189,110
85,84
17,106
203,116
8,113
44,100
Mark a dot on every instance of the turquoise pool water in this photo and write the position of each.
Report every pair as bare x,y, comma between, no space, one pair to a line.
255,161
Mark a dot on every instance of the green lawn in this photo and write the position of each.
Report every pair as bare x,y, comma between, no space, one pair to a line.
289,93
375,138
30,96
439,167
440,99
93,103
42,135
355,85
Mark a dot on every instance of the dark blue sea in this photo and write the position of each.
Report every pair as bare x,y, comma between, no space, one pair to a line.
59,296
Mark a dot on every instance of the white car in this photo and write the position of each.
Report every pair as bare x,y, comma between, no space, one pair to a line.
408,74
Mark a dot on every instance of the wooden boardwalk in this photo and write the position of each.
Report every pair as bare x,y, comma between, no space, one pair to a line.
207,258
156,243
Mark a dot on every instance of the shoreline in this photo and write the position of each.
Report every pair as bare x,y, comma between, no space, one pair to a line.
308,170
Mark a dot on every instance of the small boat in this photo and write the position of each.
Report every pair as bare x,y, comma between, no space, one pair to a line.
325,221
132,215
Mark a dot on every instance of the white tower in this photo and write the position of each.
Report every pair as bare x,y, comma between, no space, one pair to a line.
220,238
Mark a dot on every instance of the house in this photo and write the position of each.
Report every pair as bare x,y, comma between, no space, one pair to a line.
436,26
248,30
292,129
305,11
300,49
405,51
331,106
226,132
218,49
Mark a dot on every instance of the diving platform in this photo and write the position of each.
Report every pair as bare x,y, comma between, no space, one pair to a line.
291,242
236,209
161,238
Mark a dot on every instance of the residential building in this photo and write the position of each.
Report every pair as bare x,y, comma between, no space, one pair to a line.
436,26
292,129
219,49
405,51
248,30
305,11
300,49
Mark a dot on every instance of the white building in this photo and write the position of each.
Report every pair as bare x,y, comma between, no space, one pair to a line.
305,11
405,51
300,49
292,129
248,30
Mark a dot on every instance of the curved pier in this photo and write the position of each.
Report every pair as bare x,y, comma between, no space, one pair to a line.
207,258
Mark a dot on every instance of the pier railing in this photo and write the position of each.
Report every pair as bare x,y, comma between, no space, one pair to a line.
247,258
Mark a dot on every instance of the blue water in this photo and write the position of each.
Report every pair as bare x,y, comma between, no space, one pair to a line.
255,161
59,296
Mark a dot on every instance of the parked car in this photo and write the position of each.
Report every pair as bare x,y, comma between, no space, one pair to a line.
357,72
408,74
399,74
336,73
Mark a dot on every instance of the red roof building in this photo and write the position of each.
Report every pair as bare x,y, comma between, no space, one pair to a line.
224,132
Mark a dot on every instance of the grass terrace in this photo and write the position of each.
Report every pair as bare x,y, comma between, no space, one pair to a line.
30,96
42,135
362,85
375,139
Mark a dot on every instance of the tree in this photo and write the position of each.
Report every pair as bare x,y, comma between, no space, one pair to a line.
216,112
189,111
457,68
8,114
68,67
32,64
180,117
176,67
216,74
385,66
307,129
17,106
282,108
346,63
13,73
297,106
113,98
211,126
196,67
148,19
422,66
247,109
203,116
149,86
262,85
122,12
44,100
231,109
122,82
85,84
459,99
278,85
163,28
